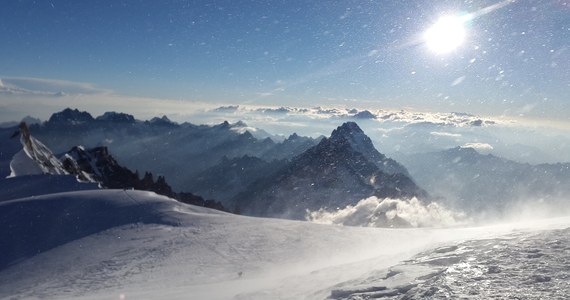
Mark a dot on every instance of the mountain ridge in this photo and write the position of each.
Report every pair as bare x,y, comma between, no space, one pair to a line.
487,183
330,175
178,151
91,166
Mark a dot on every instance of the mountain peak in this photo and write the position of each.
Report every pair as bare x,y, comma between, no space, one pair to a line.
347,129
163,121
293,138
365,114
351,133
239,124
72,116
223,125
116,117
338,171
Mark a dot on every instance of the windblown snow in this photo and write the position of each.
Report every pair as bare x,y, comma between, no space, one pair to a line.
375,212
122,244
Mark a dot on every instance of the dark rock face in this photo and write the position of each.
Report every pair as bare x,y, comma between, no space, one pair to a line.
360,142
70,116
116,117
97,165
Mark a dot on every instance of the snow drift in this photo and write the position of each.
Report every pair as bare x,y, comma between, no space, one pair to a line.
32,225
117,244
375,212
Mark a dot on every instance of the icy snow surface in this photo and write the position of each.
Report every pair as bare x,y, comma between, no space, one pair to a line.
36,185
520,265
137,245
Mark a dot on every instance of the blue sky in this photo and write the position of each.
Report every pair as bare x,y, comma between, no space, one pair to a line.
515,60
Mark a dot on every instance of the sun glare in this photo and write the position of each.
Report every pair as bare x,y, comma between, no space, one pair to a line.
446,35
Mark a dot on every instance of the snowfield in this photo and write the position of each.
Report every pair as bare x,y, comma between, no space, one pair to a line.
123,244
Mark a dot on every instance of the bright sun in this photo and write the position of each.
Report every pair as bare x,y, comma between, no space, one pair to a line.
446,35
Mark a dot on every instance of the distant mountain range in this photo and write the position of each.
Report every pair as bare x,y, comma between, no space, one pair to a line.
473,182
248,175
255,175
179,152
87,165
232,176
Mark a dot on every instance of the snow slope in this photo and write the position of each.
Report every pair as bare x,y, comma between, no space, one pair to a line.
36,185
117,244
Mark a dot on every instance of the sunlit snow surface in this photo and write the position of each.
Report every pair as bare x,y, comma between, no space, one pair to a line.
520,265
144,246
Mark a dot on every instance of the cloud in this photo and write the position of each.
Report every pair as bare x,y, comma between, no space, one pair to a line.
226,109
478,146
44,92
47,87
374,212
445,134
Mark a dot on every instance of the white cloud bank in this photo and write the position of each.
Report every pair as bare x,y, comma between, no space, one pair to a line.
478,146
445,134
374,212
393,131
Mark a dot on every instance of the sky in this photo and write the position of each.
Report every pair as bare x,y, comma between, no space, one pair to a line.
511,58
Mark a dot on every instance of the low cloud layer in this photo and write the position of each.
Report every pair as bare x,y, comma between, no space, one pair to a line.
478,146
374,212
394,132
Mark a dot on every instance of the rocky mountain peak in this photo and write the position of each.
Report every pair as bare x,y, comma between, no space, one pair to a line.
347,129
239,124
116,117
338,171
70,116
350,132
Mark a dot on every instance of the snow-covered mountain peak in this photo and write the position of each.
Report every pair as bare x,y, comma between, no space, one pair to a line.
34,158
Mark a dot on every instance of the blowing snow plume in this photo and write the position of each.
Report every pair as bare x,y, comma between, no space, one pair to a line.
375,212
